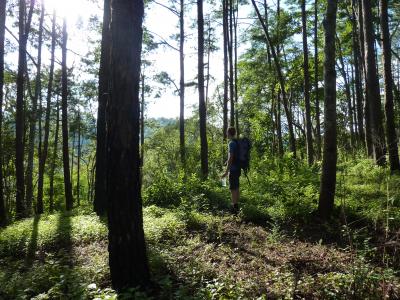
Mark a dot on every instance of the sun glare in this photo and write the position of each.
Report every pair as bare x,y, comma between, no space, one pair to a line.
71,9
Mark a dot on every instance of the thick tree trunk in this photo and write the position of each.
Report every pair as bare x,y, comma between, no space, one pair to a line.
182,84
127,250
292,140
316,63
372,86
202,104
100,200
54,159
387,66
328,176
33,117
310,147
64,107
3,214
44,152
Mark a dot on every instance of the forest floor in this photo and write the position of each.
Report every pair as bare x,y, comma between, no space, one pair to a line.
192,255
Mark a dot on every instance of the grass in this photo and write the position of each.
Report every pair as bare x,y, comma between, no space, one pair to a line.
274,248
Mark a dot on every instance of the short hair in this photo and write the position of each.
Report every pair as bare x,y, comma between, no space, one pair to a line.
231,131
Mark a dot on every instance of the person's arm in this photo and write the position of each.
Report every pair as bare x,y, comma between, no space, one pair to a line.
228,164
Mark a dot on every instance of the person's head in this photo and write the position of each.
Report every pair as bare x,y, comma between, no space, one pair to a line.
231,132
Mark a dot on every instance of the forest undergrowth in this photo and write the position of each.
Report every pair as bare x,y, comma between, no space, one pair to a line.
275,248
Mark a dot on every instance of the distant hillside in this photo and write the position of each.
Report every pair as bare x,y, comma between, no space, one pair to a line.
153,124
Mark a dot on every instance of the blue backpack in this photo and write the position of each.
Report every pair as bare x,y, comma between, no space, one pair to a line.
244,147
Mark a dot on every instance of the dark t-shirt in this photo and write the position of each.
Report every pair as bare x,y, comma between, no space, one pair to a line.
233,148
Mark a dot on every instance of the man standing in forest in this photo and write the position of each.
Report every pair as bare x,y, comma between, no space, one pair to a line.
233,168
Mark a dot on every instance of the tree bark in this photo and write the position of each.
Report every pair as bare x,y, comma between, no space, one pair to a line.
54,160
64,107
44,152
24,29
100,200
33,117
357,77
202,105
387,75
225,45
127,250
316,63
372,86
182,85
328,176
310,146
230,55
3,214
78,175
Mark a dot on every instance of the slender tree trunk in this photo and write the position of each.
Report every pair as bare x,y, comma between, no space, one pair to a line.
387,66
279,124
368,137
44,152
372,86
73,157
328,176
348,94
24,29
310,146
292,140
54,160
142,123
182,84
127,250
3,214
33,118
64,107
202,105
357,77
225,42
235,21
78,177
100,199
231,71
316,63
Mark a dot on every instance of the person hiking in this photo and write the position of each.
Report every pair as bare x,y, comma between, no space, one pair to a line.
233,168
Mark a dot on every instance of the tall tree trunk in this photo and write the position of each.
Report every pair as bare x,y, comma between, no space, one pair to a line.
235,46
316,63
78,175
127,250
328,176
357,76
310,147
33,117
387,66
279,124
24,29
64,107
372,86
182,84
3,214
231,71
142,123
72,156
368,137
225,45
54,160
44,152
100,198
292,140
202,104
347,92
